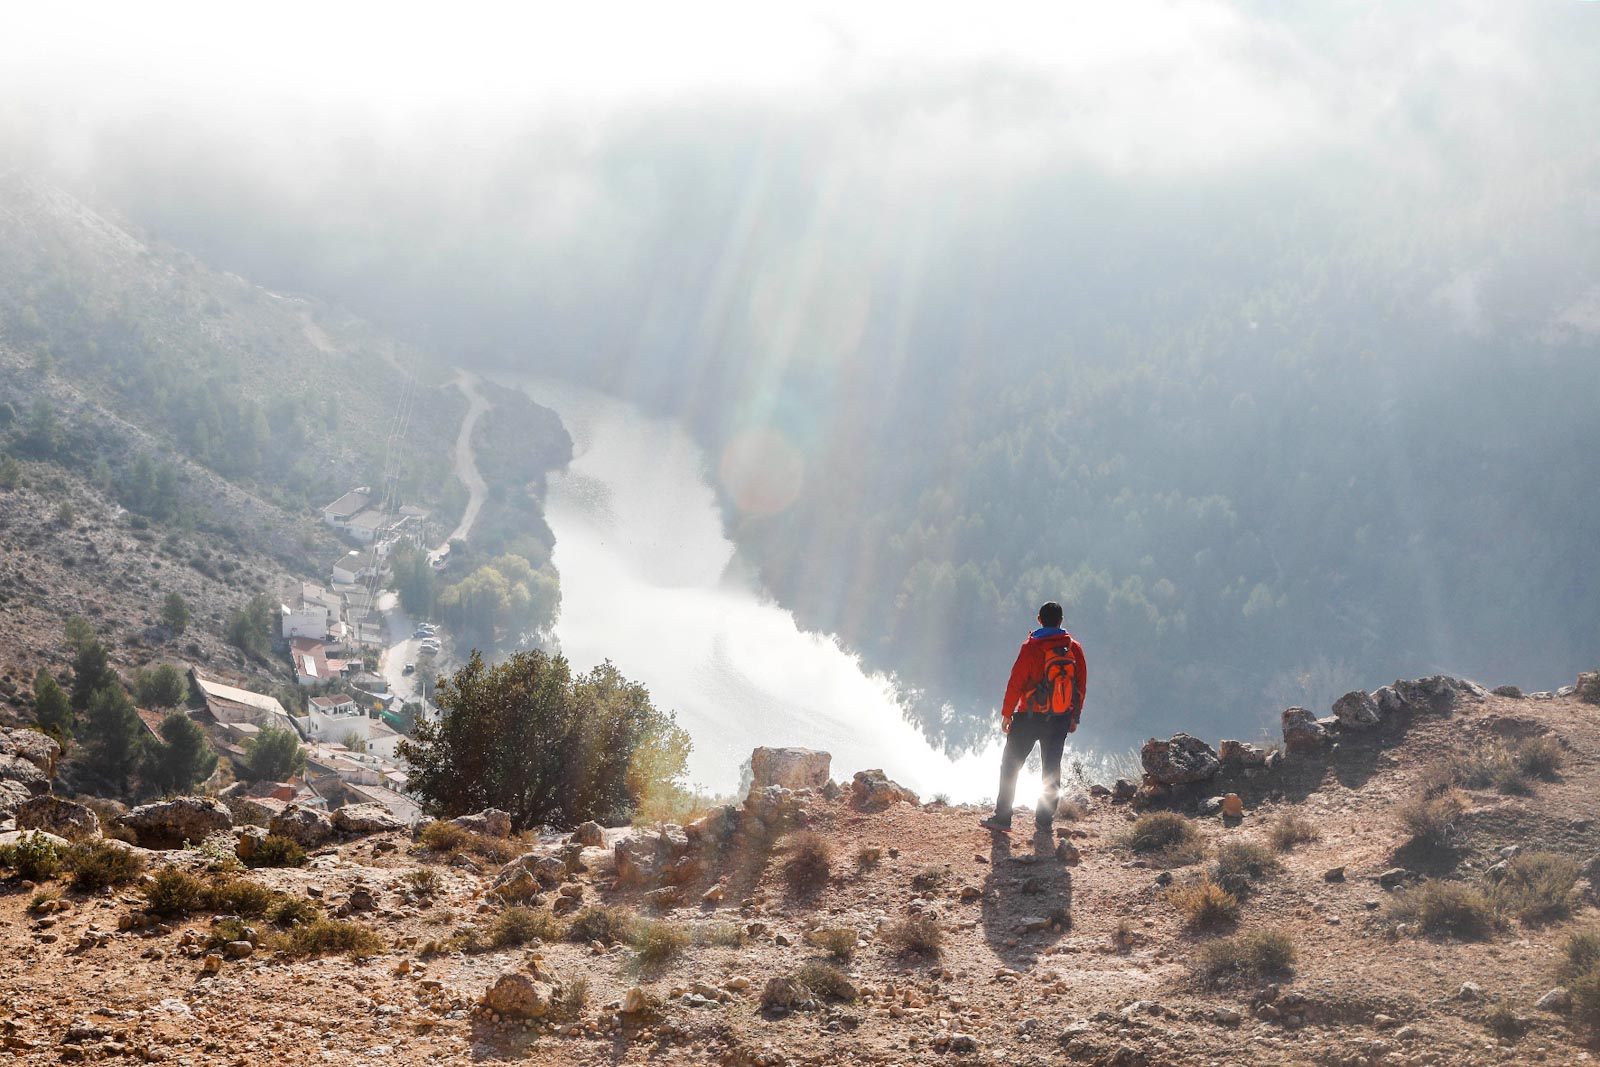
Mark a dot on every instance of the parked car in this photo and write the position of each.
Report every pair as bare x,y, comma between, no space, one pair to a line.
428,651
428,627
410,669
422,633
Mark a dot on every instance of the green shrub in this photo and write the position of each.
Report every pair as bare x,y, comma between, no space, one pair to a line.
174,892
322,937
34,857
424,881
1447,909
1291,829
224,931
1585,990
602,923
726,935
238,896
1581,953
570,1001
1163,836
275,851
1205,905
1244,958
97,865
657,941
292,911
1538,886
826,981
1240,864
915,933
810,862
837,941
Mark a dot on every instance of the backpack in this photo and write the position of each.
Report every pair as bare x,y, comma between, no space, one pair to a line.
1054,693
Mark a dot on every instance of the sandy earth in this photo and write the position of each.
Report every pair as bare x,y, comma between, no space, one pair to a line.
1051,995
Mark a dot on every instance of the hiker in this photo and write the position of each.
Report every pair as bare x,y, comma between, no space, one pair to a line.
1043,701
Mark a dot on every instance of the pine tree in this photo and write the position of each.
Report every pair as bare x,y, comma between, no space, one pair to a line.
183,757
272,756
51,705
91,672
175,613
163,687
112,734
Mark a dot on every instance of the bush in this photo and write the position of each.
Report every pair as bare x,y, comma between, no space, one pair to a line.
528,737
1291,829
276,851
1540,757
1431,820
238,896
1585,990
322,937
727,935
1240,864
1205,905
451,840
34,858
519,925
837,941
916,933
174,892
292,911
929,878
810,863
1164,836
570,1001
424,881
826,981
1537,887
602,923
1581,953
1244,958
1503,1021
1447,909
97,865
657,941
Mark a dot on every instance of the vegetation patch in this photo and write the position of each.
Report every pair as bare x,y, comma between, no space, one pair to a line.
837,941
1245,958
810,863
602,923
276,851
449,841
327,937
1290,829
659,942
1164,837
97,865
1205,905
520,925
1580,972
1430,821
921,934
826,980
1447,909
1240,864
1537,887
34,858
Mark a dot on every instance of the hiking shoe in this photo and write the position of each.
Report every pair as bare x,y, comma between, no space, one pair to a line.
995,822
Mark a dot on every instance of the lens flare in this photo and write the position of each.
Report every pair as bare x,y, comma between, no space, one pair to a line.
761,471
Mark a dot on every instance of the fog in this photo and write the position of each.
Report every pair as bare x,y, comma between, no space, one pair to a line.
1330,273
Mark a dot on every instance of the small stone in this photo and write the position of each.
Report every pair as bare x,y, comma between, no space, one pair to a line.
1393,876
1333,874
1469,991
1557,1000
238,950
963,1043
211,964
713,895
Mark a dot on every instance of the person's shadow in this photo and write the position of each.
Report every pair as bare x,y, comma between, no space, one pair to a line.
1027,898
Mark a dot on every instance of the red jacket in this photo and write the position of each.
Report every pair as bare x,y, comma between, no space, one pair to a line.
1029,687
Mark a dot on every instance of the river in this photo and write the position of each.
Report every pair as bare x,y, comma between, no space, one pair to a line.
647,581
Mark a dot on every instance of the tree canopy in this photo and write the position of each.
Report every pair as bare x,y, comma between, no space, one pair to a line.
272,756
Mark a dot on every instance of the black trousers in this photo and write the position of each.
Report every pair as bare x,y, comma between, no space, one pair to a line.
1047,731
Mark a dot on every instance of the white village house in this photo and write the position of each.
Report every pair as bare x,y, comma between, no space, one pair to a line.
232,706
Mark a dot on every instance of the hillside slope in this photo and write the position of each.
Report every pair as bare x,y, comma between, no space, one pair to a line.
1046,956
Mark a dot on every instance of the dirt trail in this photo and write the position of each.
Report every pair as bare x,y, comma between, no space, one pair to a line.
466,463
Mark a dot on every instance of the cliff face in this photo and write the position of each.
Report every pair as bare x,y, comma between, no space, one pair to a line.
1400,895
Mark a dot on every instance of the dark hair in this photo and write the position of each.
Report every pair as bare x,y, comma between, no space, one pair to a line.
1050,614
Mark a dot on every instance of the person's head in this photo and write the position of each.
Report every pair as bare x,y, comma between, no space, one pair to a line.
1050,614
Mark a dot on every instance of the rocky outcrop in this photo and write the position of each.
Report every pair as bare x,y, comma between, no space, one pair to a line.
1588,687
664,855
366,819
39,749
1302,733
522,878
1357,711
1436,694
490,822
24,773
306,827
169,823
872,789
792,768
1239,755
590,835
1179,760
516,996
64,818
12,796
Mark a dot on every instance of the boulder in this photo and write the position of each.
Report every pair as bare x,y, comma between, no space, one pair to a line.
1507,691
718,824
306,827
366,819
1238,755
15,837
783,993
167,824
1557,1000
23,773
1357,711
41,750
1588,687
873,789
792,768
12,796
490,822
590,835
1179,760
246,839
1124,789
1437,693
516,996
1389,702
646,858
64,818
1301,731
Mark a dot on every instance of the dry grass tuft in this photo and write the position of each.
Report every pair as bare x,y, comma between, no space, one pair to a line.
324,937
658,942
1290,829
1447,909
1244,958
837,941
916,933
1240,864
827,981
449,841
1537,887
602,923
1205,905
1431,820
1164,837
810,863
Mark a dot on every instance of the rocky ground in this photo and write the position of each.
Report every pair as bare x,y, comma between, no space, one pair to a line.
1056,947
